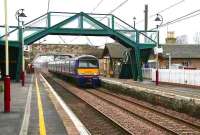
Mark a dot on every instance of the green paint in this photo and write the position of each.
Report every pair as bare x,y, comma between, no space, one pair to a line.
81,21
98,29
138,63
49,19
113,24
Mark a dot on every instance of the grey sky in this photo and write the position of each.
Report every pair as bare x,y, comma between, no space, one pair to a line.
35,8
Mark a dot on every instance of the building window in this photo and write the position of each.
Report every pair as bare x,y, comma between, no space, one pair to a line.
186,63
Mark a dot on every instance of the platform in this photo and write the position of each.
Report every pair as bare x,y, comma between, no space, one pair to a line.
34,111
10,123
43,116
178,98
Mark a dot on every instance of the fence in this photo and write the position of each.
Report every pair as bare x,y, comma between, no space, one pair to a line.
147,73
181,76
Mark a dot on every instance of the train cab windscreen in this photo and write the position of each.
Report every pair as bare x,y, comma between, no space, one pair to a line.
90,63
88,67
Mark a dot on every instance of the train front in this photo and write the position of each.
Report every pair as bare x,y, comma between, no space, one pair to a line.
88,71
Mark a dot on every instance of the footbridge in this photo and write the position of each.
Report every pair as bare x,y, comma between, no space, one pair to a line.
141,43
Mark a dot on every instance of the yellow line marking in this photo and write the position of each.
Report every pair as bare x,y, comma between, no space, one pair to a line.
40,109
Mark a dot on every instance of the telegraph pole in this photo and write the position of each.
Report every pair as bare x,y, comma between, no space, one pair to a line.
146,18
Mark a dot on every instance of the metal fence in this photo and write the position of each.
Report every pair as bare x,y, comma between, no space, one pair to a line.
147,73
180,76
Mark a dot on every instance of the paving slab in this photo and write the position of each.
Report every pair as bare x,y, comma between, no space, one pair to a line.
24,116
10,123
166,88
52,121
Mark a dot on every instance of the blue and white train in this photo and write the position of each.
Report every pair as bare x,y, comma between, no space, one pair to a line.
83,69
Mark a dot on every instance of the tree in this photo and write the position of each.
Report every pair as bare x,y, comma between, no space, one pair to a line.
183,39
196,38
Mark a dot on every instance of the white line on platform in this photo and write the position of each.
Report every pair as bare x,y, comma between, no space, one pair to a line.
79,126
27,111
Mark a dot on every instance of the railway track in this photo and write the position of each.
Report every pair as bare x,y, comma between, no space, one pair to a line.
154,122
193,123
165,121
91,118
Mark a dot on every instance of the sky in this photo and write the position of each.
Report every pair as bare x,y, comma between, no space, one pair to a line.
35,8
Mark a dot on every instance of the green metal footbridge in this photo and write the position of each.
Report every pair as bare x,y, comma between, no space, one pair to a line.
80,24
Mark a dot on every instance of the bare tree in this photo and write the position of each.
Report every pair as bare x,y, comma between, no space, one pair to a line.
196,38
183,39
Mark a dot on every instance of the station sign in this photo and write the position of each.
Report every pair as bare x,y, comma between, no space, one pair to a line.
158,50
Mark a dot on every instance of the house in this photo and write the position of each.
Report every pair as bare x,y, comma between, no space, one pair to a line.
187,56
181,56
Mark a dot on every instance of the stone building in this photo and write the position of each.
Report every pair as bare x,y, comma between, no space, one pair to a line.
111,59
187,56
182,56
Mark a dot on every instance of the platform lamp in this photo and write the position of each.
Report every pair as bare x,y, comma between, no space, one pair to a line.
20,15
7,98
159,21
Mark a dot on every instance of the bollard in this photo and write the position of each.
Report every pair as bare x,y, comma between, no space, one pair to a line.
157,77
7,98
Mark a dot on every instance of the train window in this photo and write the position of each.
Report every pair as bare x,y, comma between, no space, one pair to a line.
83,63
72,65
93,63
88,63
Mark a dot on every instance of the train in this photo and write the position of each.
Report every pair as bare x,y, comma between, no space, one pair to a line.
83,70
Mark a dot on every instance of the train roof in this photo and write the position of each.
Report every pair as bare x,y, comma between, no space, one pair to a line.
73,58
82,56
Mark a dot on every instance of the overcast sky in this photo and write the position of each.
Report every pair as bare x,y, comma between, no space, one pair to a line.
35,8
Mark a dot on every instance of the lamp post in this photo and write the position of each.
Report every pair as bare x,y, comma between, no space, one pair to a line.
20,16
134,18
159,21
7,98
168,54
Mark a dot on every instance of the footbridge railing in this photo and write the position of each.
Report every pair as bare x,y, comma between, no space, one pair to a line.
86,24
81,22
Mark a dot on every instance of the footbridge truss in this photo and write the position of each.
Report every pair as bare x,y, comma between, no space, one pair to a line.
84,24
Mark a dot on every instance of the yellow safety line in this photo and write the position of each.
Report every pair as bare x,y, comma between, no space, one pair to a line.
40,109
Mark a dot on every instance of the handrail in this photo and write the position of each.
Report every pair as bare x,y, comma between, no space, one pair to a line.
35,19
125,23
2,26
135,29
77,13
147,31
27,27
24,25
9,33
